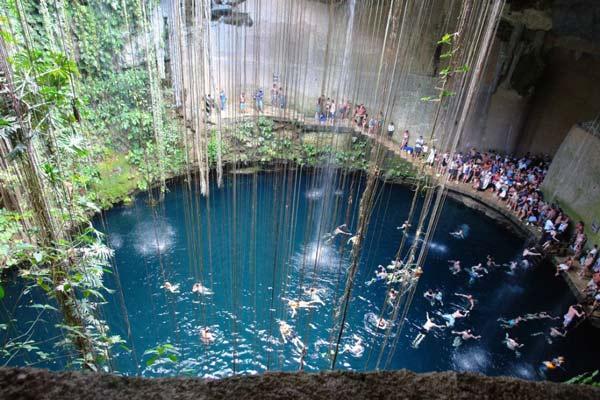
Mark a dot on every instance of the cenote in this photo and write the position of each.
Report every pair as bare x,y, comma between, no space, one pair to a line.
258,241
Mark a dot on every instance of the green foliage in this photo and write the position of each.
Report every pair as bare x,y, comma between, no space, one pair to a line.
164,353
447,72
588,378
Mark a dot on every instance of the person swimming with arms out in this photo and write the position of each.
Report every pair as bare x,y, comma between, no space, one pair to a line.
314,295
553,334
512,344
512,267
463,336
551,365
510,323
340,230
294,305
490,262
479,269
455,267
168,286
424,330
288,334
458,234
380,275
201,289
469,298
451,318
356,349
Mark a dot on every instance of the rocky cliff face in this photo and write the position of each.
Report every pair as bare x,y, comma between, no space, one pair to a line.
17,384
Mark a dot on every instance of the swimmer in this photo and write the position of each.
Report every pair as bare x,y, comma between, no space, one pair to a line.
170,287
540,315
392,296
512,267
424,330
574,311
555,363
353,240
294,305
512,344
404,226
430,295
201,289
439,297
455,267
479,269
342,230
451,318
469,298
357,349
394,265
314,295
553,334
466,335
490,263
287,334
206,336
382,323
510,323
473,275
459,234
380,275
531,252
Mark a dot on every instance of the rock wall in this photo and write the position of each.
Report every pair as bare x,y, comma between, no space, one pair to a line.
567,93
572,179
21,384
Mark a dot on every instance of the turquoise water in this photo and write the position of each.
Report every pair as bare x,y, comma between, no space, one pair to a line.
256,242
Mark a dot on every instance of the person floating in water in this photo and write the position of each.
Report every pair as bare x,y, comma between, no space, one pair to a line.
531,253
206,336
459,234
352,241
340,230
287,334
451,318
392,296
479,269
380,275
201,289
314,295
294,305
512,267
574,311
455,267
473,275
394,265
512,344
382,323
404,226
539,315
170,287
490,262
551,365
434,296
553,334
469,298
424,330
510,323
463,336
356,349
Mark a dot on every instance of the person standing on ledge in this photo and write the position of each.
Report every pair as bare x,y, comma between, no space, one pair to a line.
390,130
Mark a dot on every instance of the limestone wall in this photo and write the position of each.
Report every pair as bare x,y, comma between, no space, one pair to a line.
574,176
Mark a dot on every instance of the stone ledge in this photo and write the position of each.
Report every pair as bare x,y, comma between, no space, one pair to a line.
20,383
